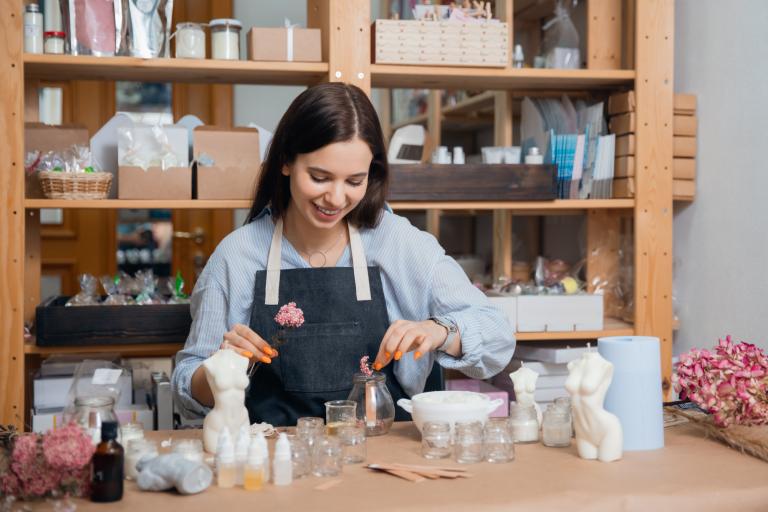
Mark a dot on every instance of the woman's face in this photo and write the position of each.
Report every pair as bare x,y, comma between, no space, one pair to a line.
329,183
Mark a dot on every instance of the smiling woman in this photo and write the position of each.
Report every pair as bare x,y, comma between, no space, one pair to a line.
319,234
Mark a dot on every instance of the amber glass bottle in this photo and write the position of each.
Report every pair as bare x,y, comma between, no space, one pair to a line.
107,476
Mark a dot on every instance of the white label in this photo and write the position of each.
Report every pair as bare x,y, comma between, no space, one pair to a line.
105,376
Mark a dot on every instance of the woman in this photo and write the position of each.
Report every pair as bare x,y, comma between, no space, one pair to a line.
369,283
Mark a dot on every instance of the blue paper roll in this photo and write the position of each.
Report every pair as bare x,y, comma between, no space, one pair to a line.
635,391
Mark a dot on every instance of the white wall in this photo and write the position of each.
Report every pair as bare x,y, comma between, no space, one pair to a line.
721,239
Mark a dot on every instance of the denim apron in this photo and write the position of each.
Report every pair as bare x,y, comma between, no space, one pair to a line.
345,318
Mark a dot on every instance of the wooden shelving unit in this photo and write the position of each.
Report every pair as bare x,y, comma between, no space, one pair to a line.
345,27
136,350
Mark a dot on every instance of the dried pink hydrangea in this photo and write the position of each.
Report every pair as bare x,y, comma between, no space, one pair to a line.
67,448
290,316
365,368
730,383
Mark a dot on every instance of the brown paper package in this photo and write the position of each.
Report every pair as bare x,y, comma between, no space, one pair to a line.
235,152
625,123
624,166
684,147
271,44
625,145
684,168
621,103
43,137
625,187
154,183
684,125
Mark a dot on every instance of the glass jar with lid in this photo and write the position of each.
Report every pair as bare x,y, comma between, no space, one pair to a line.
435,439
225,38
556,426
375,408
91,412
523,423
190,41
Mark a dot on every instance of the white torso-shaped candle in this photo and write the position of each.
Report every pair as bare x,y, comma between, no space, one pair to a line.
524,382
598,432
226,372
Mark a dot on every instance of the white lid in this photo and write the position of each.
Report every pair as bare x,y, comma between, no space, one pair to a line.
283,448
220,22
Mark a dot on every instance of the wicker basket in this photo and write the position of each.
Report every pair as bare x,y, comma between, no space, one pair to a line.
75,185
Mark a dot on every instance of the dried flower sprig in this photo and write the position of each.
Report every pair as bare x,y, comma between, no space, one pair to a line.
730,383
290,316
365,367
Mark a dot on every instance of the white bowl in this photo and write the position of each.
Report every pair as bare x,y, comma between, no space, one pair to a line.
449,406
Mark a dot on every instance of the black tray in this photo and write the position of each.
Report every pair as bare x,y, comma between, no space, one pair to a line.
58,325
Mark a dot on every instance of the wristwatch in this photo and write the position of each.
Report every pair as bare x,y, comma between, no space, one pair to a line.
453,331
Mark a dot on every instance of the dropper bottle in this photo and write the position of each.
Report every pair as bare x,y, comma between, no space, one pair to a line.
282,467
262,442
225,461
253,479
241,453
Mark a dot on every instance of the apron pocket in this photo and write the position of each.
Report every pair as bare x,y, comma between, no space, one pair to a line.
321,358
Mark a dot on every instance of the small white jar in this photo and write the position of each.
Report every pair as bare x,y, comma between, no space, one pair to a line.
190,41
54,42
225,38
33,29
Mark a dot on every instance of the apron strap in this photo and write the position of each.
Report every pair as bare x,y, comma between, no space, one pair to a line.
359,265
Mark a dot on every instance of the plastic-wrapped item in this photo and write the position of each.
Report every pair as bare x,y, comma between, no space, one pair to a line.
95,27
114,295
75,159
149,24
88,295
177,292
147,284
94,379
561,40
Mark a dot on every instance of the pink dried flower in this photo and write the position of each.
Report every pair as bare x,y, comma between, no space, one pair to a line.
67,448
365,367
730,383
290,316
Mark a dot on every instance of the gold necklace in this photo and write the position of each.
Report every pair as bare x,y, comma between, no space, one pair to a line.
319,258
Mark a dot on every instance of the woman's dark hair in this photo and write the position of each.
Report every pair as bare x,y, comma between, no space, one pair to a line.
322,115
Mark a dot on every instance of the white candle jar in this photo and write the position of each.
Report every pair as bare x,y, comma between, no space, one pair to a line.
190,41
556,427
225,38
135,450
523,423
54,42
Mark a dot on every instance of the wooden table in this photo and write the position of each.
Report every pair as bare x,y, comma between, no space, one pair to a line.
690,473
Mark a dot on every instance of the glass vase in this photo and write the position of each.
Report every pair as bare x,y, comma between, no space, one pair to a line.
375,408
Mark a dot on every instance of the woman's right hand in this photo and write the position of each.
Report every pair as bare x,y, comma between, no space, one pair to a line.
243,339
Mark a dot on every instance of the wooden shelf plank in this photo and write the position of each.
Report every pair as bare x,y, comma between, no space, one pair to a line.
447,77
86,67
611,327
146,349
192,204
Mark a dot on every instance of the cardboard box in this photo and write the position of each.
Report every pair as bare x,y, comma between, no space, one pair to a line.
621,103
479,386
234,155
508,306
52,392
624,166
625,145
624,123
684,147
559,313
683,188
271,44
684,168
685,102
684,125
44,420
154,182
623,188
551,352
43,138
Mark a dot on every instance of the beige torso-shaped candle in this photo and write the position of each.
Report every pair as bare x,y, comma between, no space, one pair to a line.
598,432
226,372
524,382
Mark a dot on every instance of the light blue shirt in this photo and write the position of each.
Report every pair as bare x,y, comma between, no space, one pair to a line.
418,278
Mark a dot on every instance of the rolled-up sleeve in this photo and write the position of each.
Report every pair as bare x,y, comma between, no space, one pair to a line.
208,306
487,339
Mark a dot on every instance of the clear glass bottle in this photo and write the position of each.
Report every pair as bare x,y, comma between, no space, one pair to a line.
498,445
468,447
375,408
435,439
556,426
523,423
352,439
107,466
91,412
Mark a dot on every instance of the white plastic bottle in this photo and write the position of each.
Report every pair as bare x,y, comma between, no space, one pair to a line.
241,452
282,467
262,442
33,29
253,479
226,471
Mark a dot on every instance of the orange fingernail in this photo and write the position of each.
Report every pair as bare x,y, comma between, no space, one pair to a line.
416,354
270,351
275,353
265,359
398,355
247,354
377,366
387,355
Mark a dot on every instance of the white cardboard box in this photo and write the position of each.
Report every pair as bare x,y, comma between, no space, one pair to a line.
508,306
51,392
44,420
559,313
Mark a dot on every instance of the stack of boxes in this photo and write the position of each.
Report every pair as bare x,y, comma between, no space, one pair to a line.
446,43
621,109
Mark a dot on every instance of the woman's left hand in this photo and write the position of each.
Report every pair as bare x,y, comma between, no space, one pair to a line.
406,336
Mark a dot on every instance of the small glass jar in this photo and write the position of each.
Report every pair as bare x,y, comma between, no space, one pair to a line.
556,426
91,412
565,403
326,457
129,432
468,447
225,38
375,408
523,423
54,42
435,439
136,450
301,458
339,413
352,439
309,428
190,449
498,445
190,41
